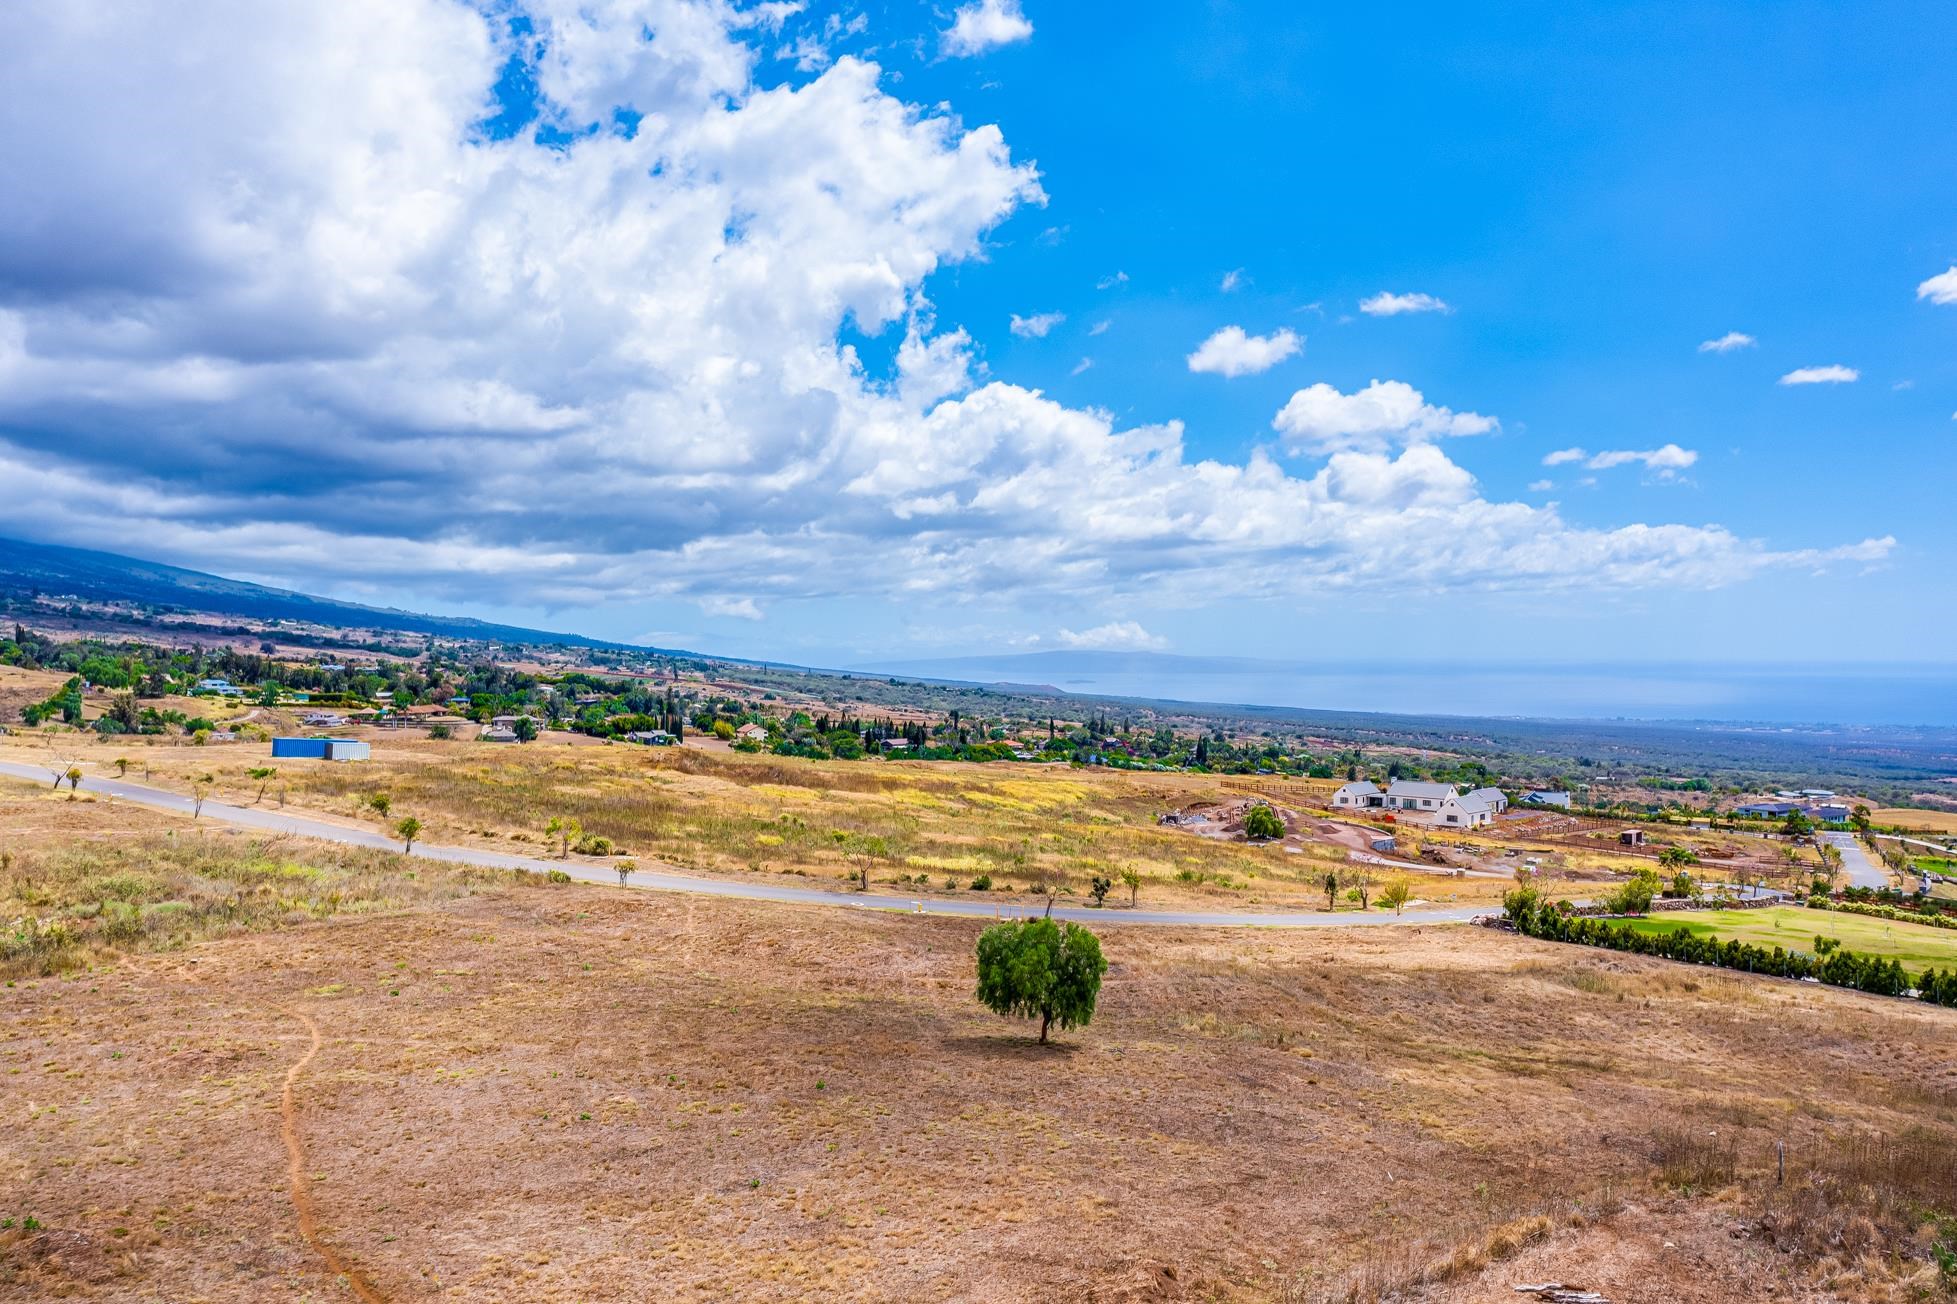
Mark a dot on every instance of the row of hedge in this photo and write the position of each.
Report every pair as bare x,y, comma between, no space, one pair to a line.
1901,916
1864,973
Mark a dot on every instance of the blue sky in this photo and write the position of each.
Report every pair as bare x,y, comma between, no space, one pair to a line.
865,332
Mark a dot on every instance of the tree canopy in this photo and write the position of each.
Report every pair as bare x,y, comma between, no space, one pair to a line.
1036,968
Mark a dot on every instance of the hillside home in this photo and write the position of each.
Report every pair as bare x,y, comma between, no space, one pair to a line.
1421,798
752,733
497,734
1541,797
1467,811
1359,794
651,738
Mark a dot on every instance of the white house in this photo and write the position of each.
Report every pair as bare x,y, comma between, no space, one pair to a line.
1357,795
752,733
1470,811
1546,797
1424,798
1435,803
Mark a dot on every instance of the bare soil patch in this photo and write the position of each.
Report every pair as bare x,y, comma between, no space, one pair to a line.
587,1094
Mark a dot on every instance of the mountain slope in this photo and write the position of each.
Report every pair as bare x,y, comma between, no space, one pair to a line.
38,568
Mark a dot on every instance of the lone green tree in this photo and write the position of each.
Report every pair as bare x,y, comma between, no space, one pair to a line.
264,774
1396,894
1263,822
524,728
408,829
1035,968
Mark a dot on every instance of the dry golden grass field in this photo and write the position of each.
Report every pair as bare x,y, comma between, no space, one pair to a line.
921,828
1927,821
300,1072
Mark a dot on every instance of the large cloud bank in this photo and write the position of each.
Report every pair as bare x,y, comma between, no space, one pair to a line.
275,299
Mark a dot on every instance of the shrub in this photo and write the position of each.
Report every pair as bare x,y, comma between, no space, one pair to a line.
593,844
982,883
557,876
1633,897
1037,968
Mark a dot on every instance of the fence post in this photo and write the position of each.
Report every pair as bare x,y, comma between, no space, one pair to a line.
1780,1159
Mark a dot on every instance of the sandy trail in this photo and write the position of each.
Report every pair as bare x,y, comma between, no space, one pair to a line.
295,1167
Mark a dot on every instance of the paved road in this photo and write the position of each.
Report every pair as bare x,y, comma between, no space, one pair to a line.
669,880
1855,862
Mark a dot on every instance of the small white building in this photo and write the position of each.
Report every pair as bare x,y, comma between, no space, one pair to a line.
1469,811
497,734
1545,797
752,733
1498,801
1357,795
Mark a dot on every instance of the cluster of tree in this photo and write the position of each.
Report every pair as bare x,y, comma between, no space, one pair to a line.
1535,917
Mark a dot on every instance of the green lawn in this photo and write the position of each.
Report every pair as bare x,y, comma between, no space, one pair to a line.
1918,946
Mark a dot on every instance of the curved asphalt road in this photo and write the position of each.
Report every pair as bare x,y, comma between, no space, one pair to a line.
1855,862
273,821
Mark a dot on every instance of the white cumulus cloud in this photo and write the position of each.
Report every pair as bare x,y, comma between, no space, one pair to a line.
1666,462
1941,288
1233,352
285,307
1728,342
1387,304
1232,281
1037,326
1320,419
985,25
738,608
1120,635
1829,375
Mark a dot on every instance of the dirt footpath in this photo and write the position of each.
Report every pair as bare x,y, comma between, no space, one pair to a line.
587,1095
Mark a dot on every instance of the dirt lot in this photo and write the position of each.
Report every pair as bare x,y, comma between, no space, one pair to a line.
584,1094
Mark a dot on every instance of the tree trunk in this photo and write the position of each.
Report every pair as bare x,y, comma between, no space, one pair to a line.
1046,1017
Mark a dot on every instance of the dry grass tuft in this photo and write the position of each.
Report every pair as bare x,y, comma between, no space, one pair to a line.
1392,1270
68,903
